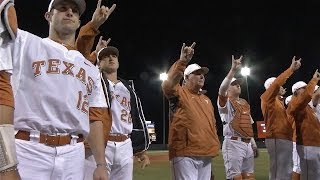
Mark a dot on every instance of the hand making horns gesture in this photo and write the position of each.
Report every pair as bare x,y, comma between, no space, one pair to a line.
187,52
101,14
295,64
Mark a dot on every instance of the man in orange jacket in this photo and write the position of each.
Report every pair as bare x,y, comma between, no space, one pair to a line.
193,140
307,126
279,128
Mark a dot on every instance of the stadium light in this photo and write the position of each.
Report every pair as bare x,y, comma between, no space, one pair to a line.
245,71
163,76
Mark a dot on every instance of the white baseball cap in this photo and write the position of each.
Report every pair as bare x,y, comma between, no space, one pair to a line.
268,82
288,99
298,85
80,3
109,50
235,81
194,67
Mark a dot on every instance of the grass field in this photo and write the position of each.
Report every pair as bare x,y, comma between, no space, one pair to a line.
160,167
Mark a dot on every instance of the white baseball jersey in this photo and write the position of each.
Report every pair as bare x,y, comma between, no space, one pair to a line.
226,114
120,107
53,86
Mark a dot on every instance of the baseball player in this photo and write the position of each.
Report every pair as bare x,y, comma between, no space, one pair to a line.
8,30
238,148
307,126
138,133
278,126
193,139
296,170
128,123
56,92
314,103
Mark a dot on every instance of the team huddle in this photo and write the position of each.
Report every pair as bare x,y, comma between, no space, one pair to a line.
66,114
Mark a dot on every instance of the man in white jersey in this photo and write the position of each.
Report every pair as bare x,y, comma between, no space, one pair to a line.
238,147
56,92
8,30
128,135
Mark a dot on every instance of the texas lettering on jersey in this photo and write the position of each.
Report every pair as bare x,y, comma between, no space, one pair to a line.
124,107
60,67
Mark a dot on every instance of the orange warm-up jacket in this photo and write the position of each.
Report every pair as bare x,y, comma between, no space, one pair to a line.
307,123
278,125
193,125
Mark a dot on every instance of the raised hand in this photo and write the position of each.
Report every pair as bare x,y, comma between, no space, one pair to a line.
295,64
101,14
187,52
102,44
236,63
316,75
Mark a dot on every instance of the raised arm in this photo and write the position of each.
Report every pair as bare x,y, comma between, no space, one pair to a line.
303,99
88,32
175,74
100,45
9,18
236,64
273,90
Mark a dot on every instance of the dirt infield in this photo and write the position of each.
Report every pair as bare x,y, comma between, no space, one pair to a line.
159,157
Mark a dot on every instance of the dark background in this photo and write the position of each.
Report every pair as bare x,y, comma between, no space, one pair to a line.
149,35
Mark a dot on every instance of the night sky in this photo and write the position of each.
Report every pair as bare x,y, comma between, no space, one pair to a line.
149,35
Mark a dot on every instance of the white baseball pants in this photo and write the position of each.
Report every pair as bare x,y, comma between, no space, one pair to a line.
193,168
238,157
309,162
119,157
38,161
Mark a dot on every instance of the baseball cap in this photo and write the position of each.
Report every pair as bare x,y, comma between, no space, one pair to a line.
298,85
288,99
107,51
194,67
236,81
81,5
268,82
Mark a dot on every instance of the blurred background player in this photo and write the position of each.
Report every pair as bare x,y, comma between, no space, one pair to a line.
279,131
314,103
307,127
